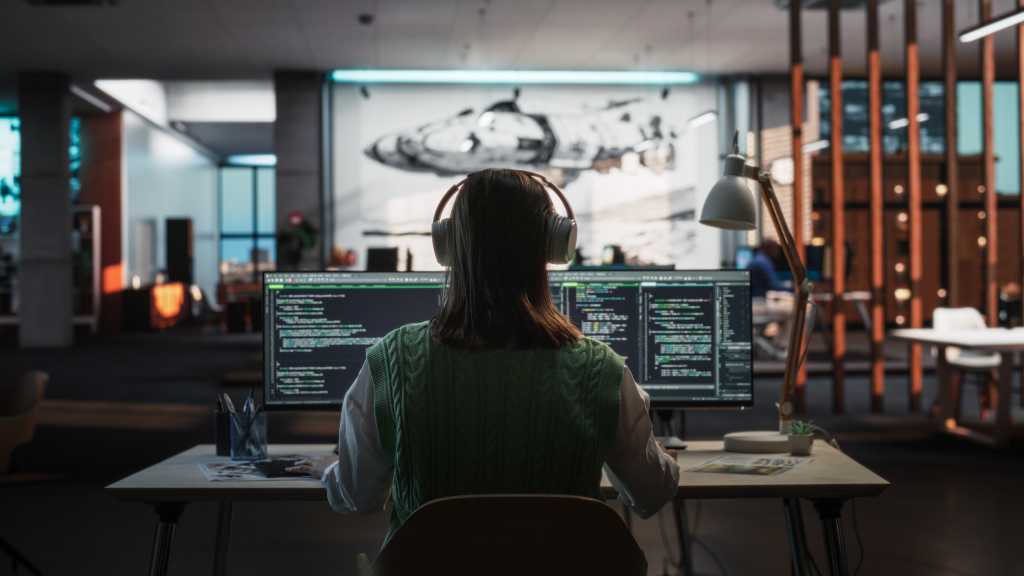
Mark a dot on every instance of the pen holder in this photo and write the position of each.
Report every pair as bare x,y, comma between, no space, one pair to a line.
249,436
222,432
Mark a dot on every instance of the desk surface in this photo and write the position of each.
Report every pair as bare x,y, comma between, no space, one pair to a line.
830,474
996,339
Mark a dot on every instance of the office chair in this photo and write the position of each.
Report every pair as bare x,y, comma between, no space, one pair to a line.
968,362
19,408
512,534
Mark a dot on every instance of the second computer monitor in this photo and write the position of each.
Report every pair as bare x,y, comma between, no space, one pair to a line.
686,336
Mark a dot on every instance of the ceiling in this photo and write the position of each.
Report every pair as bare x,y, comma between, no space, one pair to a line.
227,138
187,39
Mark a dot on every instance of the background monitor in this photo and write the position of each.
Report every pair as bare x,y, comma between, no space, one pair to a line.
318,325
686,335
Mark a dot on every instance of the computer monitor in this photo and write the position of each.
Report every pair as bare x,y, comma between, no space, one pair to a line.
318,325
686,335
744,255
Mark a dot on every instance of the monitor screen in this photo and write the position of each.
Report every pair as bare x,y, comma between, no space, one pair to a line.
686,336
318,325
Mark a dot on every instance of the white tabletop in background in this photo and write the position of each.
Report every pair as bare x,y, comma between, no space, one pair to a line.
998,339
828,474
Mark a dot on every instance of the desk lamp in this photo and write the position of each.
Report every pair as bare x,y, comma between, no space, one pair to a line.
732,206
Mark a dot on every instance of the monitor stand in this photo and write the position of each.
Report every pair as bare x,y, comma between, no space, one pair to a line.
669,428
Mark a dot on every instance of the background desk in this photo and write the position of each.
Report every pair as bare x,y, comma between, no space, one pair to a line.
1006,342
828,481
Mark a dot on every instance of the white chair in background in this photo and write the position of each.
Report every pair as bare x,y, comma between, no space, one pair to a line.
967,362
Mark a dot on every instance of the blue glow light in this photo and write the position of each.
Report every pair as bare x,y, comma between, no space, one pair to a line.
252,160
605,77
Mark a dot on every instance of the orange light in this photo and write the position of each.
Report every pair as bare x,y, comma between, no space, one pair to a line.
113,278
168,300
950,423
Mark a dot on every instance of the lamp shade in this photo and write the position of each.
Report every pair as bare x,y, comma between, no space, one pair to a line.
731,204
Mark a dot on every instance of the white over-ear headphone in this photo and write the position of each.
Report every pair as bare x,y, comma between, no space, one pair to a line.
561,230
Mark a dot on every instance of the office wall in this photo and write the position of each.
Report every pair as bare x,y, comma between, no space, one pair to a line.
633,166
166,178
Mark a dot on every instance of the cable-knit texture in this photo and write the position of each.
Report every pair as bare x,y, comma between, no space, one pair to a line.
492,421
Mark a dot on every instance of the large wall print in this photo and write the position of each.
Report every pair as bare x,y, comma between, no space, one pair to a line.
632,161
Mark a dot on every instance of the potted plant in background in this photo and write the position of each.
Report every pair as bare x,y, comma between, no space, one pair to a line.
801,438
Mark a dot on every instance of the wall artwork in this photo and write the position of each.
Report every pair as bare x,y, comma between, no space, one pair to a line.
633,161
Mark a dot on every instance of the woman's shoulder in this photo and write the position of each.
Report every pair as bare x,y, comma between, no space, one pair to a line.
595,348
405,334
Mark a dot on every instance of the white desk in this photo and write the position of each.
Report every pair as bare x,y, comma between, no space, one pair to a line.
828,481
1007,342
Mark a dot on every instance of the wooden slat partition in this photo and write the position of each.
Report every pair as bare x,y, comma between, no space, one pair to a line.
838,212
796,95
988,77
952,223
914,193
877,210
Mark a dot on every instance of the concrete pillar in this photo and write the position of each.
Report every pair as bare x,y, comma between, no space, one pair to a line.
44,278
299,143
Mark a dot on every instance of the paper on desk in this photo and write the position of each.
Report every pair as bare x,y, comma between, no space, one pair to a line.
224,471
755,464
247,471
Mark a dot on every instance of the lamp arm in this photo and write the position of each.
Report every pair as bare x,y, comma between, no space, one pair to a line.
802,287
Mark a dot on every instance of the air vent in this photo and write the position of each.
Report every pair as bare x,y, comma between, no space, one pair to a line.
71,3
823,4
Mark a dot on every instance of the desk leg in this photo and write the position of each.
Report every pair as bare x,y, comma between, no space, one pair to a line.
947,397
1005,398
223,544
167,518
830,512
796,535
685,548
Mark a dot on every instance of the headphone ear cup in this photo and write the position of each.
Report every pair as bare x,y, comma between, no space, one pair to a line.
561,239
440,235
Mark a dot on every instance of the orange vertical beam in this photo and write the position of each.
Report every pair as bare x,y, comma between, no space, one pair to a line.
796,96
988,77
952,223
1020,146
914,195
835,77
876,209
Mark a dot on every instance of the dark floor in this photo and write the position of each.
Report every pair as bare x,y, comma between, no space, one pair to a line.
114,406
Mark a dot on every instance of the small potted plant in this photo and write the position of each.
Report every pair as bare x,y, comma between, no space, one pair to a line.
801,438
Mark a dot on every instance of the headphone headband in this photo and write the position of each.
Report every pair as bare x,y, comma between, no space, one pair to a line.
561,230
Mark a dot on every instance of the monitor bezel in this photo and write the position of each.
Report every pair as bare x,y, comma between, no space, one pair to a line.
657,404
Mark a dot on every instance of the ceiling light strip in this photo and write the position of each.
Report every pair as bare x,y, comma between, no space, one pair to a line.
630,77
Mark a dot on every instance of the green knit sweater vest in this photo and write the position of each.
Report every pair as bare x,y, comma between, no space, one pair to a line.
492,421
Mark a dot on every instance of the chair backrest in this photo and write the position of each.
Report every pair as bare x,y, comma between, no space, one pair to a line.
512,534
19,405
954,320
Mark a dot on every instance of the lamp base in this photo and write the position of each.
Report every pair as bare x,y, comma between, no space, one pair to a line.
759,442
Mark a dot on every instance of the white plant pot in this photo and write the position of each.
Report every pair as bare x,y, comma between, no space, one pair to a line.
800,445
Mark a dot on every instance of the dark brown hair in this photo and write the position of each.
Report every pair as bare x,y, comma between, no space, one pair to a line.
498,294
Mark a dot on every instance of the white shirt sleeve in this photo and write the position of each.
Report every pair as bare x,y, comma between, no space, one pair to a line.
645,476
359,481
